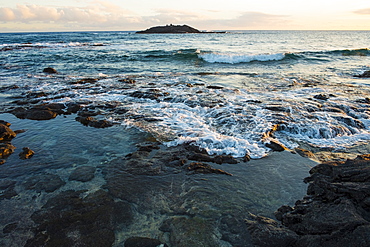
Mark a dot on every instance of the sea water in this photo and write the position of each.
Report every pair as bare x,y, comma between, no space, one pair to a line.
255,71
222,92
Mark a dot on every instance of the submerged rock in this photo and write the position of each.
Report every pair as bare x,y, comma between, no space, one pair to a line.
186,232
143,242
44,182
197,167
83,173
7,189
71,219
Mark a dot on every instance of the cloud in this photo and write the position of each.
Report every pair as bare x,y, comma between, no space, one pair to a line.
248,20
104,15
97,12
362,11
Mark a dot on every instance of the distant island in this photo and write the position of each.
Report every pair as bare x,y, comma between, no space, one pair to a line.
173,29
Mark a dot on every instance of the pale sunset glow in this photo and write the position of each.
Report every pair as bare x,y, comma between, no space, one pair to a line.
87,15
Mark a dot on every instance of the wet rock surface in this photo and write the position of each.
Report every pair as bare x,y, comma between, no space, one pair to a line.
26,153
92,122
336,211
6,134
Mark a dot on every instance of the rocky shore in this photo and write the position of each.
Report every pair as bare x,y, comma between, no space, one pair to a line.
335,212
175,196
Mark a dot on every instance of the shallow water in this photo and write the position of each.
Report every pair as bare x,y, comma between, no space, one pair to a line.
62,145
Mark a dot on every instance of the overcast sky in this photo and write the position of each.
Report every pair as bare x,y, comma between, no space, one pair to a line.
130,15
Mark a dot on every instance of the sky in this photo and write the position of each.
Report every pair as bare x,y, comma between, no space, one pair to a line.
133,15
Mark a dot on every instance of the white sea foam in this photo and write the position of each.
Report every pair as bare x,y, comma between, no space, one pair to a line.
233,58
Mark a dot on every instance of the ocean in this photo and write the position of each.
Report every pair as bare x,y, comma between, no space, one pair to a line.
228,93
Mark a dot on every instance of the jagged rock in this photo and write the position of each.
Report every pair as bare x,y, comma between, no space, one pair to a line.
6,149
6,134
50,70
268,233
336,211
27,153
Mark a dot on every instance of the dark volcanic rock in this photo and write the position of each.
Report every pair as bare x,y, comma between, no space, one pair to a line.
143,242
268,233
336,211
366,74
83,173
40,112
10,227
69,219
27,153
6,134
50,70
6,149
86,80
92,122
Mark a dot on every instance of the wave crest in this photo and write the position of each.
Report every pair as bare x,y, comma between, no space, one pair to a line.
231,58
